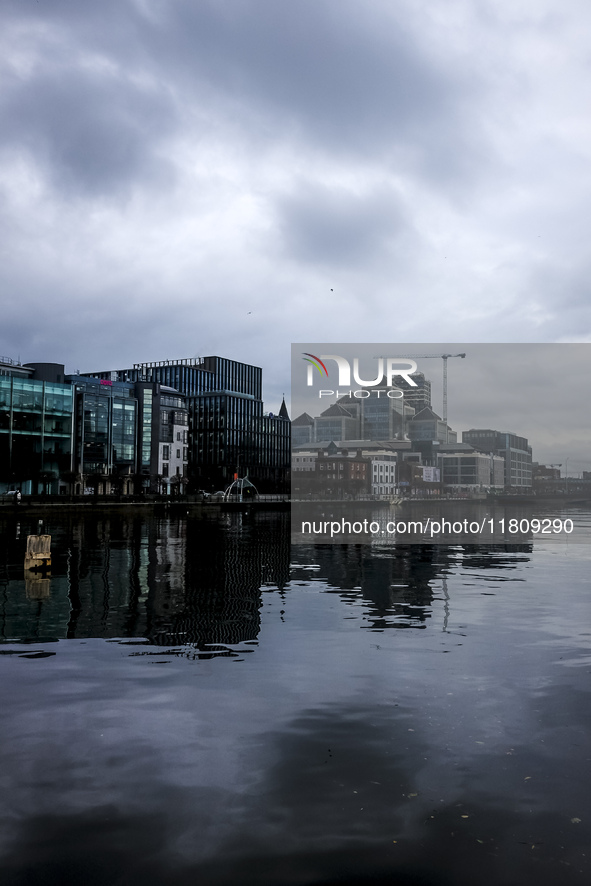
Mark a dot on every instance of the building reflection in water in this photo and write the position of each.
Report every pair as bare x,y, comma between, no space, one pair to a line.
198,580
398,587
191,580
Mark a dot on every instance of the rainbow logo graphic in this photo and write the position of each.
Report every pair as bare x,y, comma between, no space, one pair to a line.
317,362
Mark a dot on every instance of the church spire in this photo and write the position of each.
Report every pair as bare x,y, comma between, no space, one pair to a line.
283,410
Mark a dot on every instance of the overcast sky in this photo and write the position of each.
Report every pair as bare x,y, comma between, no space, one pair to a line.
184,178
537,391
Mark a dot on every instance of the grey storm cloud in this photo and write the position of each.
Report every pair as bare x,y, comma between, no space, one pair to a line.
219,175
332,225
343,77
318,71
89,134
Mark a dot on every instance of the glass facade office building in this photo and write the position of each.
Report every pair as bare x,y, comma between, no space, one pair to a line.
228,430
188,376
231,435
128,430
192,376
241,378
106,430
35,434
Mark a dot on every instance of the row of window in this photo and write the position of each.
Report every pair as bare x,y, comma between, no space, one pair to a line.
355,468
166,452
174,418
35,396
165,470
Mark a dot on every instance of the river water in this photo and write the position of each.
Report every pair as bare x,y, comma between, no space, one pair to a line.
191,700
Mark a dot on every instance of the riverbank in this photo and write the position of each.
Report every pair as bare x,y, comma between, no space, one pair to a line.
129,507
270,502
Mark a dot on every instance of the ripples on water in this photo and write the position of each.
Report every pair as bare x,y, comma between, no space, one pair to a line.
191,701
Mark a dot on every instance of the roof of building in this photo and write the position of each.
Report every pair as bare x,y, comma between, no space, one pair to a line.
426,414
303,419
450,448
336,411
283,413
388,445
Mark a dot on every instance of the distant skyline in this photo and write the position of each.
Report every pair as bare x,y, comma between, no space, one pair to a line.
538,391
182,179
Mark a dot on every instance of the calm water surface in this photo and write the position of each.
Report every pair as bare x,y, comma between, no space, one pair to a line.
193,701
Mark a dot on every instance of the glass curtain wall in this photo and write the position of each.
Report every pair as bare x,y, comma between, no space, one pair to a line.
35,434
105,431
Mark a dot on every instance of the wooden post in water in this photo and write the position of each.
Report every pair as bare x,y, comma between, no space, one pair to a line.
38,555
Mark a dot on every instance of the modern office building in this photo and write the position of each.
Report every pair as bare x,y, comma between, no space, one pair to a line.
228,431
472,471
351,418
153,428
10,368
35,427
302,430
106,422
426,425
193,376
338,422
383,417
376,416
515,451
232,436
418,397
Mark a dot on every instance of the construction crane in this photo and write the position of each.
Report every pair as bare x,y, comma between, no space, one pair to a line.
445,358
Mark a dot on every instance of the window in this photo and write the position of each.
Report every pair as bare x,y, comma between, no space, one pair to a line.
178,453
178,435
166,452
185,453
165,470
